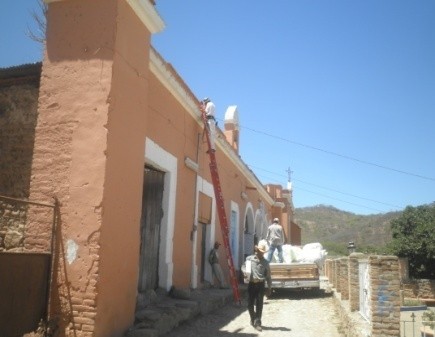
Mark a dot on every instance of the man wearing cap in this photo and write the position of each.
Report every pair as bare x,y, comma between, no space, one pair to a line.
259,275
275,239
213,259
209,109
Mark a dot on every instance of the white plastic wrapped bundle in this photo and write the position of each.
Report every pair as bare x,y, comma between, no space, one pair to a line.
296,253
310,253
314,253
290,254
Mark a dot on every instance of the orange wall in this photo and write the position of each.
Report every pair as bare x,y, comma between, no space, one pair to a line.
99,102
177,132
122,206
89,153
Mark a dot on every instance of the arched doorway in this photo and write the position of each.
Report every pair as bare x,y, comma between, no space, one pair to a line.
248,232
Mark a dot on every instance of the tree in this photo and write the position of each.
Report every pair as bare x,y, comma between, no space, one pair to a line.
414,237
38,34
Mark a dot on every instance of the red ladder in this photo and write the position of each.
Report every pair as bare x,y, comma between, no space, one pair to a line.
221,211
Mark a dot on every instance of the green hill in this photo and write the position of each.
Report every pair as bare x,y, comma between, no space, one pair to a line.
334,229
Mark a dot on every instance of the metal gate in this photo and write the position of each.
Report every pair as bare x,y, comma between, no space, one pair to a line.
25,264
364,289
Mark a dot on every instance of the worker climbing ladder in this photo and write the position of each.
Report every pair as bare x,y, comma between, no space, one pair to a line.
221,210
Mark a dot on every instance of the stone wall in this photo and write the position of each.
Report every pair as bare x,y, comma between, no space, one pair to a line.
12,225
19,89
354,286
385,296
384,290
419,289
344,278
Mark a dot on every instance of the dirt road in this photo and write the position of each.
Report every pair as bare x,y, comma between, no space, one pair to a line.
286,313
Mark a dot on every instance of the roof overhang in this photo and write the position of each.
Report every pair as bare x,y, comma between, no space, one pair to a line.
170,80
145,11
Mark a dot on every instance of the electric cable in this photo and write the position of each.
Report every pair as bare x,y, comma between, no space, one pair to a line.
338,154
331,189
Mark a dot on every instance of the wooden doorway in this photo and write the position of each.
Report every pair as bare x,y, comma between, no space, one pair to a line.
152,213
203,256
203,235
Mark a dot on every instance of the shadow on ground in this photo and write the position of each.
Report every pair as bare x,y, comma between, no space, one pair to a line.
299,294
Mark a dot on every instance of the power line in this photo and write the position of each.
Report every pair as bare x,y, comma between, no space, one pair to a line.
331,189
333,198
348,202
339,155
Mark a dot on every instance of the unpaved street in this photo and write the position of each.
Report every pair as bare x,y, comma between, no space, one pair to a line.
286,313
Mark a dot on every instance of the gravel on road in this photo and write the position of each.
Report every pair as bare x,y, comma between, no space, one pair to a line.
285,313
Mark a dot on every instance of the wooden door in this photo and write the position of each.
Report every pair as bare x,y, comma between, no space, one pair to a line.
152,214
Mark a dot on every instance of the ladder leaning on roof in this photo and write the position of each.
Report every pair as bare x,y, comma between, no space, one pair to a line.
221,210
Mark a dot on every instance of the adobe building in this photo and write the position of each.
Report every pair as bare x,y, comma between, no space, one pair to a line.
117,140
284,210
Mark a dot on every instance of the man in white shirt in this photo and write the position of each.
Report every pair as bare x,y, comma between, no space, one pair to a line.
275,239
209,109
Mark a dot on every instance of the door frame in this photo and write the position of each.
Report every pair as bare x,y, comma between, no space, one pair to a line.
159,158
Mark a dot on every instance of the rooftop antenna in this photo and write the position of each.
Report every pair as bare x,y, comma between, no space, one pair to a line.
289,181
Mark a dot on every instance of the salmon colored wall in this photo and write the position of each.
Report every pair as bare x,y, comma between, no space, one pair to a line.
99,103
73,96
296,234
89,149
171,126
122,199
176,132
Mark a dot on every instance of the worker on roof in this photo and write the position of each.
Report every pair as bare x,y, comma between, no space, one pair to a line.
209,109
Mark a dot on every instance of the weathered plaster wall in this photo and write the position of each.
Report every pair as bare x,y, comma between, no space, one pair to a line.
176,131
99,107
72,148
122,195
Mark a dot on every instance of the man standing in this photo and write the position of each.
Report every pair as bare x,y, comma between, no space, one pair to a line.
209,109
257,267
213,259
275,239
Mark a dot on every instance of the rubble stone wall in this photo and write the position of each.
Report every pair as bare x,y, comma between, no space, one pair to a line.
384,289
18,112
385,296
418,288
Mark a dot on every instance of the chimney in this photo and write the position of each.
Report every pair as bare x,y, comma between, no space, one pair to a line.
232,127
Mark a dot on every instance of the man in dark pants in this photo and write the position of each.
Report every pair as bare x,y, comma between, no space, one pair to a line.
257,267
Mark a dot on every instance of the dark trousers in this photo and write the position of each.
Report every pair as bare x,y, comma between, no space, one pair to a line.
256,294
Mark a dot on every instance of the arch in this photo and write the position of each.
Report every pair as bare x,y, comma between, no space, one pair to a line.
261,222
249,231
234,230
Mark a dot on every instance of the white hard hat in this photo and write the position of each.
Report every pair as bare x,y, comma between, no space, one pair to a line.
276,220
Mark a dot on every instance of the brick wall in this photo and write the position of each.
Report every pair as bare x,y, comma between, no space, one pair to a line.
344,278
384,293
385,296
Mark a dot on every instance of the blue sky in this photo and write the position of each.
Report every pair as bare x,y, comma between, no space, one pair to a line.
342,92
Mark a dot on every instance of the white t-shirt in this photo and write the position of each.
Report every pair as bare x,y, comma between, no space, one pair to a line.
210,109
